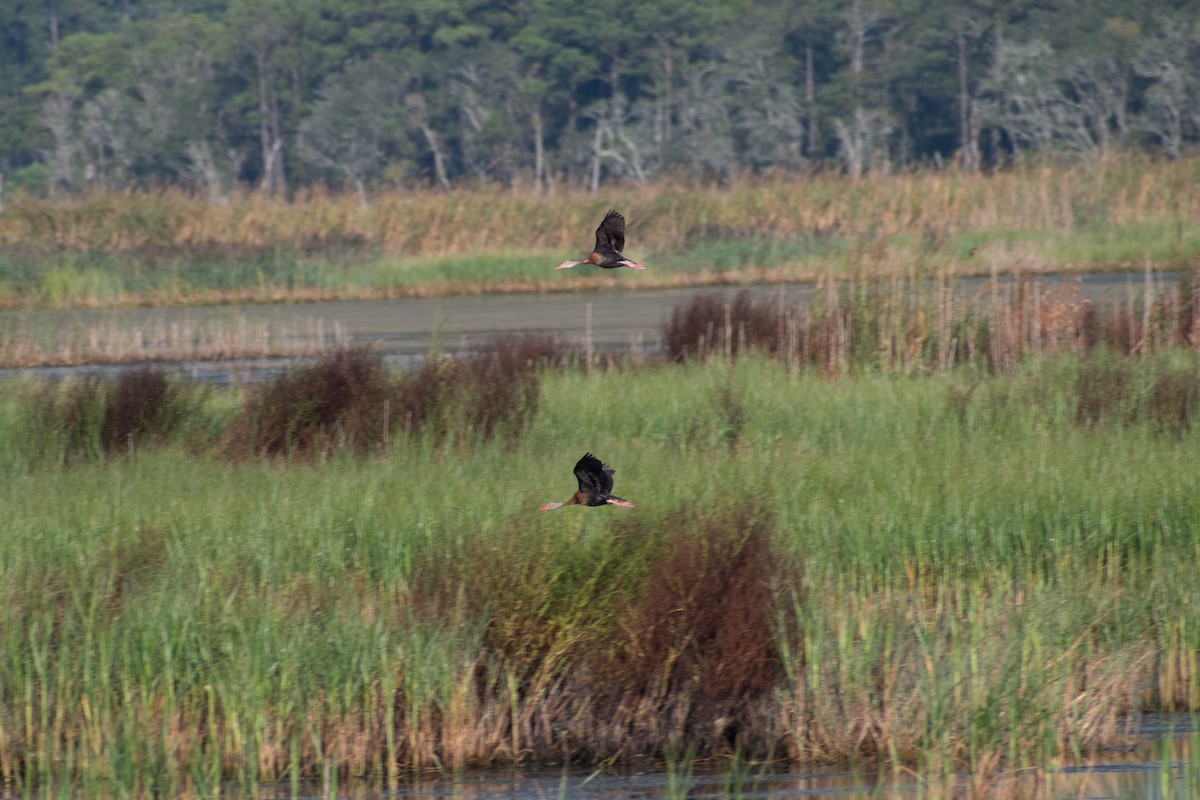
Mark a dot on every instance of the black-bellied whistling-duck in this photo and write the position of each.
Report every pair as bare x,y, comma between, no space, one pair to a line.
610,241
595,486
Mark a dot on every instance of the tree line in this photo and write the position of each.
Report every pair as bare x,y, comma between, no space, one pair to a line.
213,95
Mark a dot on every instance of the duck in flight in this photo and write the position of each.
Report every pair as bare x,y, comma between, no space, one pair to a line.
610,241
595,486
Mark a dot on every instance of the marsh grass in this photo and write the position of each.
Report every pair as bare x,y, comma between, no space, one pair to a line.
702,627
911,324
93,417
879,571
167,247
313,411
346,401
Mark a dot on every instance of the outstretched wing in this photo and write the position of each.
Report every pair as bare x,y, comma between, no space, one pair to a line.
593,476
610,236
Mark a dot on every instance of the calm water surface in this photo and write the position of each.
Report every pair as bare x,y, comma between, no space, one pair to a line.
1160,760
1159,780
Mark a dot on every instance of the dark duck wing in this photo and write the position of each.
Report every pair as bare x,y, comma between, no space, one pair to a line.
610,236
594,478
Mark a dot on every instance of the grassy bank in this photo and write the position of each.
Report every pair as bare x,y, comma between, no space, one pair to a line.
955,571
160,248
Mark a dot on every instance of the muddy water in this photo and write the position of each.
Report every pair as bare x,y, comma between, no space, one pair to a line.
405,330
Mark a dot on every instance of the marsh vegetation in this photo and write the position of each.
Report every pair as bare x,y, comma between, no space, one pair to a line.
1124,213
341,574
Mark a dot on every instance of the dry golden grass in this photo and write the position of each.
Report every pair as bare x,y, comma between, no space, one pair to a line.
168,248
661,215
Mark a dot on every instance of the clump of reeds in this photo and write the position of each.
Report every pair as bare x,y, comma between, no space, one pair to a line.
1158,393
913,324
708,325
665,635
495,387
144,405
478,395
699,637
1110,390
93,417
347,401
337,403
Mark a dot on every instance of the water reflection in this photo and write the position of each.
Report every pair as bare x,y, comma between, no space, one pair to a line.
1172,778
1148,767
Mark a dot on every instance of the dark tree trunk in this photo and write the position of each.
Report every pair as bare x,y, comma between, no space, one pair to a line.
439,162
967,147
273,181
810,93
539,148
668,73
53,26
572,124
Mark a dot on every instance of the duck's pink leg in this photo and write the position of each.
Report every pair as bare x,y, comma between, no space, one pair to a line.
631,264
622,503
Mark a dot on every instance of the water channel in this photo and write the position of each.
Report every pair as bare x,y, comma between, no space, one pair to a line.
405,330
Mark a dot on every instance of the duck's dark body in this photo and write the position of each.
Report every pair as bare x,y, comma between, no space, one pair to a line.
595,486
595,481
610,242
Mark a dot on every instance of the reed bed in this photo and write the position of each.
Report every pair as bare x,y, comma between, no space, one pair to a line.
1120,190
996,593
347,401
168,247
31,341
912,325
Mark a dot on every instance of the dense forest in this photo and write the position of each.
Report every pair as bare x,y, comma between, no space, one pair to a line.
213,95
